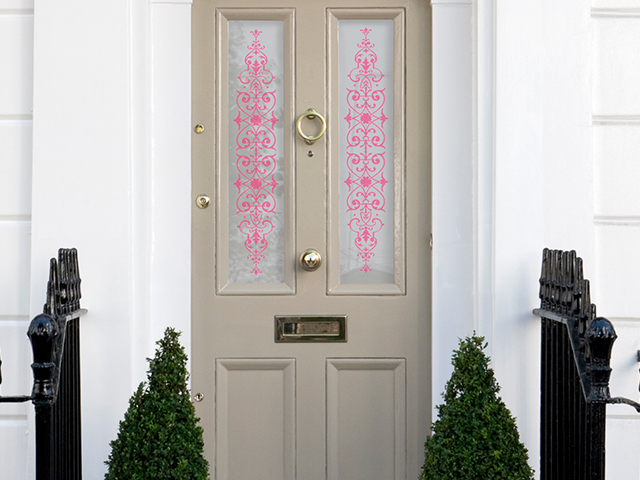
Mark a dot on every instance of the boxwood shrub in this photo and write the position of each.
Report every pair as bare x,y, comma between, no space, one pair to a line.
159,438
475,435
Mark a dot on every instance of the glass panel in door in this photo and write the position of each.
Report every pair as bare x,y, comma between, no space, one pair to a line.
366,75
256,205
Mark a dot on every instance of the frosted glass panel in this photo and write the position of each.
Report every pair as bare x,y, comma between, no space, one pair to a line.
366,49
256,152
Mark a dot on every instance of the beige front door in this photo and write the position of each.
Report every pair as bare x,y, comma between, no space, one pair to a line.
322,373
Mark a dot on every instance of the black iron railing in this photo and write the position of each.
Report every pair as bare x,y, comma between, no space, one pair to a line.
55,340
575,371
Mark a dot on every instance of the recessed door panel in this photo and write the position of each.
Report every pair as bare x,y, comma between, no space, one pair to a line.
366,419
256,412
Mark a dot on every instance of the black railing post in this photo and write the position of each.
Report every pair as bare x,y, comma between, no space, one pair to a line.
600,336
43,333
55,340
44,444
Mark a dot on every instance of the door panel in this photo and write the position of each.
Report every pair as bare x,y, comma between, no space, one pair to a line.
256,411
366,418
359,196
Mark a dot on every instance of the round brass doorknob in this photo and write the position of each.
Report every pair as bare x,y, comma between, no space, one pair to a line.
310,260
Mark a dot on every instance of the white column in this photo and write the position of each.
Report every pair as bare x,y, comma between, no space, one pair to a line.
453,178
170,272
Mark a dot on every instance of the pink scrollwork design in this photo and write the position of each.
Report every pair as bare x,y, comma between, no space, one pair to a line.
365,150
256,152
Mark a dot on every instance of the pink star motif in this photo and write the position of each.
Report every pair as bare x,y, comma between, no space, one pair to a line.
256,184
365,182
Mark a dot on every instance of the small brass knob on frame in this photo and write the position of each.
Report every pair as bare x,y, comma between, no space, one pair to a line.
202,201
310,260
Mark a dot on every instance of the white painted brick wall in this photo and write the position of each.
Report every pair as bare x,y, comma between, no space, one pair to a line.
615,4
16,81
616,156
15,180
616,64
617,266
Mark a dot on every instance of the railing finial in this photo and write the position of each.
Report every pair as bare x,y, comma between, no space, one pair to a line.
601,336
43,333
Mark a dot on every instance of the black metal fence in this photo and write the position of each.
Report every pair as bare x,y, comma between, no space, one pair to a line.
575,371
55,340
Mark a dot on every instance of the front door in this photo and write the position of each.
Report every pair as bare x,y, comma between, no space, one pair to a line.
311,259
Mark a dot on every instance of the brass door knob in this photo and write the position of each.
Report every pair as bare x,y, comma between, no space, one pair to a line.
310,260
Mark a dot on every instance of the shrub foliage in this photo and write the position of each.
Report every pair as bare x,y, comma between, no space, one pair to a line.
475,435
159,438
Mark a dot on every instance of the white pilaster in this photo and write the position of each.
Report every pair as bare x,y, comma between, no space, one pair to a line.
453,177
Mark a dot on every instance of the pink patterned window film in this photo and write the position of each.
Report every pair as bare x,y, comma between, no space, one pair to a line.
256,163
366,151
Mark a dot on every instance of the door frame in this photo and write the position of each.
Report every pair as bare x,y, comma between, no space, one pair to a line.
462,108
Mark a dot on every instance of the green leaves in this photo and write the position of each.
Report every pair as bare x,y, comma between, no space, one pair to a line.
159,438
475,436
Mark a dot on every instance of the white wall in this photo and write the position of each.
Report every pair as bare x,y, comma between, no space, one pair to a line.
16,59
616,143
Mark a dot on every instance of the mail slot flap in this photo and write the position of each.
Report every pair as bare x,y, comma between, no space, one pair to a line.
310,328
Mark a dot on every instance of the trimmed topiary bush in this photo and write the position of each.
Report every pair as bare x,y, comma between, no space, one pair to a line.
475,435
159,438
